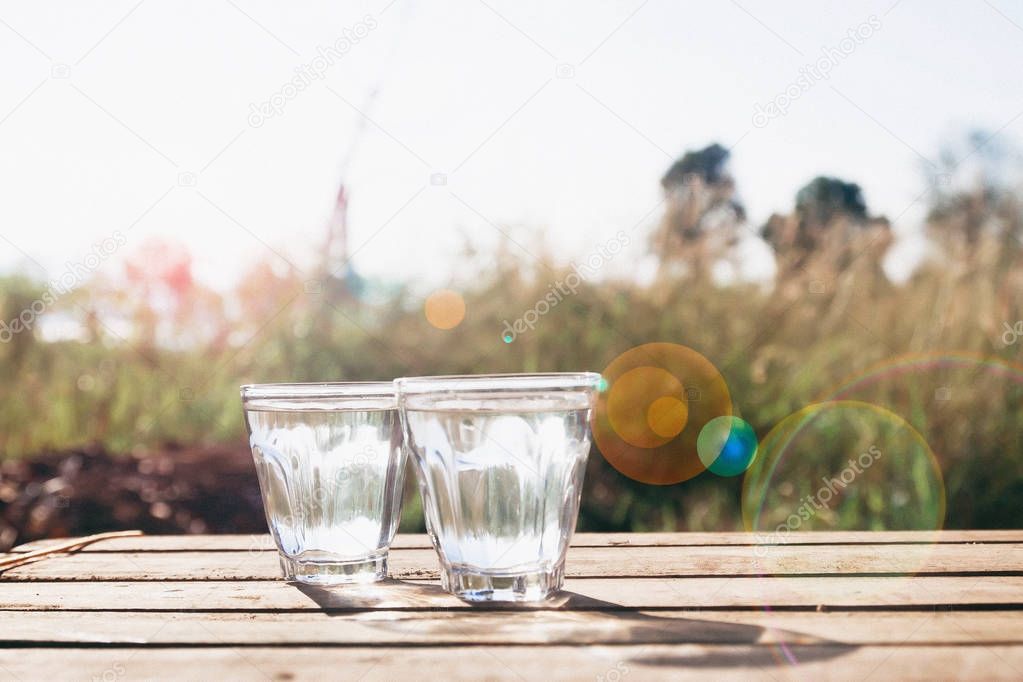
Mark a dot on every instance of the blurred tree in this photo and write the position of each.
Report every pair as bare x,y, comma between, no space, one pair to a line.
976,201
829,214
702,216
159,275
825,199
976,221
828,233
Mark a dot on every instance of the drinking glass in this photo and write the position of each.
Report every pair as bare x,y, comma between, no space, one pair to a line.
500,461
331,464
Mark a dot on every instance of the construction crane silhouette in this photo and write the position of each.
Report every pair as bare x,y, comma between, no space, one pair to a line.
336,264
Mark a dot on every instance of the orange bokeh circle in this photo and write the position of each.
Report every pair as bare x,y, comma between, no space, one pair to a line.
633,397
667,416
444,309
658,398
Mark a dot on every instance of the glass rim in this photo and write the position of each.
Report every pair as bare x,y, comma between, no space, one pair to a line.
490,383
317,390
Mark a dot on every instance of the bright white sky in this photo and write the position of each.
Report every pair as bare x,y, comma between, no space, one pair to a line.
155,89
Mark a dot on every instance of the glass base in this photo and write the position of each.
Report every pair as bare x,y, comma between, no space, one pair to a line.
473,586
335,573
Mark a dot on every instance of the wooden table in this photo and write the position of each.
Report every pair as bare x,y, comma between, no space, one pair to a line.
636,607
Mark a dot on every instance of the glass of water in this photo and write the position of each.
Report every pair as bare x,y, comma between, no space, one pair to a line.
331,465
500,461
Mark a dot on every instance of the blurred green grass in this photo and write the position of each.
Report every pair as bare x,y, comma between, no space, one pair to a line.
830,315
775,355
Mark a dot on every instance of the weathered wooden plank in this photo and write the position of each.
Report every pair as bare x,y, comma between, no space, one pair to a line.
838,592
242,543
441,628
206,543
582,562
647,662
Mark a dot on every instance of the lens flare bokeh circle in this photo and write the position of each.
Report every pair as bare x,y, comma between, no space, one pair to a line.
958,399
639,406
667,416
727,445
843,465
934,370
444,309
658,398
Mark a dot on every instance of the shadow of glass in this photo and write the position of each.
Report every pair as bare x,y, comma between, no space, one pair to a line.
751,644
570,618
747,657
389,593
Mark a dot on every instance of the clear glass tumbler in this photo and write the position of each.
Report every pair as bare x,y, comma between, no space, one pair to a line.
500,462
331,466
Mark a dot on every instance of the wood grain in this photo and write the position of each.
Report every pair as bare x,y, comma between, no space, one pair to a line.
636,607
542,628
518,663
837,592
244,543
622,561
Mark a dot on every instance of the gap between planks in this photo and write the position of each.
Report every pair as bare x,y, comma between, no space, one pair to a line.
633,562
391,628
646,662
262,542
